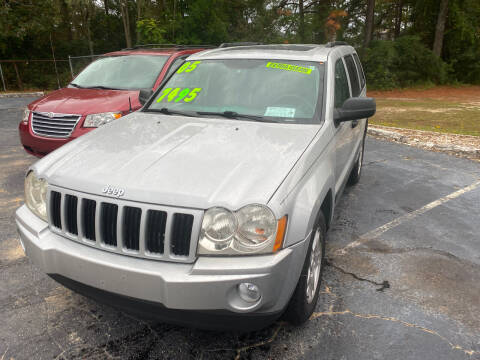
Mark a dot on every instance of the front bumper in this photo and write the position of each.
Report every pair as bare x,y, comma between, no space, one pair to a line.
40,146
209,285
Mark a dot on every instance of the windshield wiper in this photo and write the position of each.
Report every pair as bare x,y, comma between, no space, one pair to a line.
171,112
101,87
75,85
234,115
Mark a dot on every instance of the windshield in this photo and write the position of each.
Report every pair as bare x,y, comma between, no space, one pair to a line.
258,90
121,72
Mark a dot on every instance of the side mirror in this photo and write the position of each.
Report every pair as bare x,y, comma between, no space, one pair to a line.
354,109
144,95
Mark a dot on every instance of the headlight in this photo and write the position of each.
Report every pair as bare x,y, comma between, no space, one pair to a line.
97,120
26,114
252,229
256,227
218,227
36,195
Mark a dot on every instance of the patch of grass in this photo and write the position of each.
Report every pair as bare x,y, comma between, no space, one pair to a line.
429,114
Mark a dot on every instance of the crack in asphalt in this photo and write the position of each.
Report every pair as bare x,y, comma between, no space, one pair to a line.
390,250
453,346
261,343
240,350
383,285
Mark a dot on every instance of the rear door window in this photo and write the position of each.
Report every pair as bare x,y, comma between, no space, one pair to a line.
342,92
353,74
360,70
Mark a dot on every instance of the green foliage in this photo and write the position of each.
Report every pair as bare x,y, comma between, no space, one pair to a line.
379,65
401,63
462,41
398,56
150,32
417,64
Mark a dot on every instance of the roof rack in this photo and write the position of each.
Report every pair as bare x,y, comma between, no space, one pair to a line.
169,46
245,43
336,43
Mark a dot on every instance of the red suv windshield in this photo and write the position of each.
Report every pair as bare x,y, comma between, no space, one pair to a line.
126,72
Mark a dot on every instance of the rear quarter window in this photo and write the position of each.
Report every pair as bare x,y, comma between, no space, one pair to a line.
360,70
342,91
353,75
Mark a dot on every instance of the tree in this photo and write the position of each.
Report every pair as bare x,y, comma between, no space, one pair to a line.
149,32
370,17
301,21
440,28
398,18
126,22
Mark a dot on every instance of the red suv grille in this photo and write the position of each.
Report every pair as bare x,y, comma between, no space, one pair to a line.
54,125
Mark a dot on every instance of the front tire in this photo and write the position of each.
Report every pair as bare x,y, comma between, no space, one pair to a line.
304,299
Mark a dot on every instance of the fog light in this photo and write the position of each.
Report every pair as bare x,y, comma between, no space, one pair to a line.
249,292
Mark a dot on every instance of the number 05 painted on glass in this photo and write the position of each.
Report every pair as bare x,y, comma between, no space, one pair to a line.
179,94
188,66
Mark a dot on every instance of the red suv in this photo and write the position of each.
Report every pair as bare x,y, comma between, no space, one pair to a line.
105,90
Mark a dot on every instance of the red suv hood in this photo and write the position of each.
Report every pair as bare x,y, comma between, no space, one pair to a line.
86,101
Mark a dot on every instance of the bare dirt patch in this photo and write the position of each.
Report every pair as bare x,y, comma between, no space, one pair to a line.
462,93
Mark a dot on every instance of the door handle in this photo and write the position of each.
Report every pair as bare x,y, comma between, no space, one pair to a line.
354,123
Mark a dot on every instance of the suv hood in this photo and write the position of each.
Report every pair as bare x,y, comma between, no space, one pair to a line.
86,101
180,161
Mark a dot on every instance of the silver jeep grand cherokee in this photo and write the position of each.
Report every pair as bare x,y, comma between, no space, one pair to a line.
209,206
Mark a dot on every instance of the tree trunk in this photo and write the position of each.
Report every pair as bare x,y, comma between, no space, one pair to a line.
369,22
66,25
139,16
398,18
105,5
89,38
321,14
126,23
87,22
301,25
440,28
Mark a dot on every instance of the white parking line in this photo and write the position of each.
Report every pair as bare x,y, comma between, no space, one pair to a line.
375,233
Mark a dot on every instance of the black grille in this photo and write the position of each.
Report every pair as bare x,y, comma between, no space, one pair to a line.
55,203
71,214
161,232
131,227
155,232
88,218
182,232
108,223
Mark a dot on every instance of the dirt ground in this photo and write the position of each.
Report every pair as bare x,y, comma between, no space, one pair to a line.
462,93
443,118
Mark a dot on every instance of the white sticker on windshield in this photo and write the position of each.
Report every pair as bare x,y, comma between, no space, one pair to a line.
280,111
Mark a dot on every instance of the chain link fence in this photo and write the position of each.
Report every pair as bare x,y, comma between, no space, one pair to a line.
33,74
22,75
78,63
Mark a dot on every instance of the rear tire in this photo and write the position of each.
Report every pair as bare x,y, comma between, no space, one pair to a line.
305,297
357,168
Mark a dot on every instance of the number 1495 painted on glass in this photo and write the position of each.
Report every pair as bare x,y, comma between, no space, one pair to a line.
179,94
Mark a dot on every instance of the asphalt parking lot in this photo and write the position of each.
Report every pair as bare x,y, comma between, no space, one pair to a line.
402,279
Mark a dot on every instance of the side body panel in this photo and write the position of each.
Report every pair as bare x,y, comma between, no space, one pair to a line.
316,174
